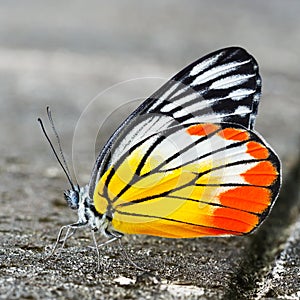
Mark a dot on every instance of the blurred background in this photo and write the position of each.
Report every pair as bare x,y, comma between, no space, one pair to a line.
86,59
63,54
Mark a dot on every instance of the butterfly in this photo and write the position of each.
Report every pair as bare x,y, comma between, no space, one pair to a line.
187,162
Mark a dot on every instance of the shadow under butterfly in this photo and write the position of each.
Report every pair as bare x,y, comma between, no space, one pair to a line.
186,163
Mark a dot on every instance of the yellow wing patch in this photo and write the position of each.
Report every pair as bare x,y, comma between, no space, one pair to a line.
224,190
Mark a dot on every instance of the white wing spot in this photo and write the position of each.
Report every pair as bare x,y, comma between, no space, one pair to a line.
204,64
242,110
168,107
240,94
230,81
164,96
217,71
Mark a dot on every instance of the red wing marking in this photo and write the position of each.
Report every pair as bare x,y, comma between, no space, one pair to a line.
257,150
247,198
202,129
233,220
263,174
234,134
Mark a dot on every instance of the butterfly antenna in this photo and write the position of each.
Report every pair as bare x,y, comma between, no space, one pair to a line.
57,138
64,167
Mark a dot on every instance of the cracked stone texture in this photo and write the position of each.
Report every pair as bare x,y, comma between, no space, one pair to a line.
63,54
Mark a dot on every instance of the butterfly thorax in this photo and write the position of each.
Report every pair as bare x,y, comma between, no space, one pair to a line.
78,198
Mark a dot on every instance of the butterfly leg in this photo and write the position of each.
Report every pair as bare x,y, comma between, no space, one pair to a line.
126,256
69,235
113,237
58,240
70,230
97,250
117,236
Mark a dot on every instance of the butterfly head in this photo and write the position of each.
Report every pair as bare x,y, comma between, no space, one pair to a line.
79,199
72,197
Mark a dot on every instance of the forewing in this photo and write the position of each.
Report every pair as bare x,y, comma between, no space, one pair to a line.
200,180
223,86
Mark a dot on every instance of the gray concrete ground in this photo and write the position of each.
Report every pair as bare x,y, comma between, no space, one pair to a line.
63,53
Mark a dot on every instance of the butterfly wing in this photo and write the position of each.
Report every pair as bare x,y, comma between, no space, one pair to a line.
223,86
200,180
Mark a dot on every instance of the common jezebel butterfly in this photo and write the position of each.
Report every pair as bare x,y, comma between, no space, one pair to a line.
187,162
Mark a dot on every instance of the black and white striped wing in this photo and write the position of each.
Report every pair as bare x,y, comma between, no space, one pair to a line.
223,86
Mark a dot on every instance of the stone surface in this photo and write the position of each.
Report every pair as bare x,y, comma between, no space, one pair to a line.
63,54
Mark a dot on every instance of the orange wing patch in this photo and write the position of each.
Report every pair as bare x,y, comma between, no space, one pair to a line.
247,198
233,220
257,150
234,134
202,129
263,174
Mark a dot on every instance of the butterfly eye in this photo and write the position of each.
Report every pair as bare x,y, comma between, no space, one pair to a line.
72,198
